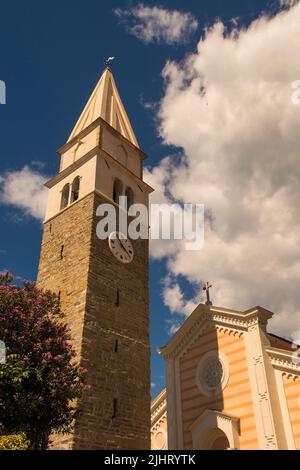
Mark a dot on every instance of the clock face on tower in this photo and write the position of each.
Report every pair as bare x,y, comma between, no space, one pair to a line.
121,247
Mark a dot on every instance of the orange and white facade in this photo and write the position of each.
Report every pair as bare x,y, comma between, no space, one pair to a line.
229,384
159,424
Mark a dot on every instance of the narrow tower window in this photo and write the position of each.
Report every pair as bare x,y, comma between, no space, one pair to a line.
117,191
114,412
65,196
75,189
62,251
116,345
117,298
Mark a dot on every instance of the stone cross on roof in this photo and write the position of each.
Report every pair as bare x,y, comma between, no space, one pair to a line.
207,286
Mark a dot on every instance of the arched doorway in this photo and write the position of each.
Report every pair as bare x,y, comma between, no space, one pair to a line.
214,430
221,442
214,439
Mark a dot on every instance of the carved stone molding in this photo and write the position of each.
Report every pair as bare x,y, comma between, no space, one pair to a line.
206,426
205,317
283,360
159,422
160,409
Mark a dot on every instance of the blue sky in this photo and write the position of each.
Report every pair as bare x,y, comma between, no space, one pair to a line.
51,57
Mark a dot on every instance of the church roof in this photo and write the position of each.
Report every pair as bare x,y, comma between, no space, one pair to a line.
105,103
281,343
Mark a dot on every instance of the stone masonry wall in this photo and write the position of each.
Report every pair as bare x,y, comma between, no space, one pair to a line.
65,271
106,306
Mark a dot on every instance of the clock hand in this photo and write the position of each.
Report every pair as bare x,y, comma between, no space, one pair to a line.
123,245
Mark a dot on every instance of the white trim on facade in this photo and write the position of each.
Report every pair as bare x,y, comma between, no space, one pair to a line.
284,410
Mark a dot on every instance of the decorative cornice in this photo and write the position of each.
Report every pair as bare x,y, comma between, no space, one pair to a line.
96,151
233,321
219,417
157,423
283,360
160,397
138,180
99,121
64,148
74,166
158,406
161,407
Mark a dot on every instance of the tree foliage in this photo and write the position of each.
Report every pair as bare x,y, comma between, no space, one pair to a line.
39,382
14,442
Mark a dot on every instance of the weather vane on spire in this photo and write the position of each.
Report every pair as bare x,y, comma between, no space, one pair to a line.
108,62
206,288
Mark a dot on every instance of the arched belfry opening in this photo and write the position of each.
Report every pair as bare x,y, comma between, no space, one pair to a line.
75,189
65,196
117,191
130,197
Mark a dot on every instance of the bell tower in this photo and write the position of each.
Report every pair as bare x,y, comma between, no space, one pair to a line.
104,299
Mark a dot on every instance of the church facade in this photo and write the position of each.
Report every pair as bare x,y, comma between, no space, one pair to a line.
102,283
229,385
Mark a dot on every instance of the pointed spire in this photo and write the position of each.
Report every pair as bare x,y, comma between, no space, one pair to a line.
105,102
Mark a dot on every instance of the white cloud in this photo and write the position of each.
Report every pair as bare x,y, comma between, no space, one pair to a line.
173,326
228,107
288,3
175,300
157,24
25,190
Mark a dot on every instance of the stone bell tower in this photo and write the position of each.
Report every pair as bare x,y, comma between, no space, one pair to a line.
105,300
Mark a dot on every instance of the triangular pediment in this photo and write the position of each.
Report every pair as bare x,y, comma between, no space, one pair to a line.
105,103
204,317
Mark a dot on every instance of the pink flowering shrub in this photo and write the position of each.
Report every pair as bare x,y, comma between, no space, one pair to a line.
39,380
